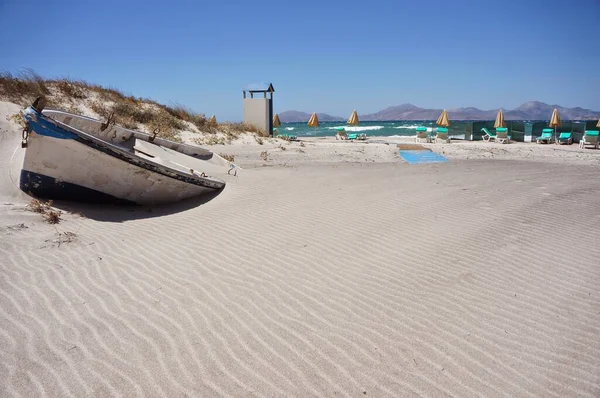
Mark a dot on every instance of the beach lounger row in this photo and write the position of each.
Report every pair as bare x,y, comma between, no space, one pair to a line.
590,137
441,135
547,137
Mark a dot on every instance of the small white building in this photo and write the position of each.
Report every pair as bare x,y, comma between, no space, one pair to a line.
258,109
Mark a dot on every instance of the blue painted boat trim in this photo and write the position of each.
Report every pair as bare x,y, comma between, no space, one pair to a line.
43,186
42,126
421,157
47,127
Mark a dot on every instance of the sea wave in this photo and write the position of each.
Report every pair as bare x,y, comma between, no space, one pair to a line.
357,128
412,127
290,128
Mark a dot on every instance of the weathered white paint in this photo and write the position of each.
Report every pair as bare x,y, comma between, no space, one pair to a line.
71,161
257,113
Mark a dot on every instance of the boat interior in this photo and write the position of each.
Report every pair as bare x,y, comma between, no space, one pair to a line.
199,162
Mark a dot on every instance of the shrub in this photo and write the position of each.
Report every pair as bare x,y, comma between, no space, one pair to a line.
17,118
45,209
23,88
229,158
164,125
71,90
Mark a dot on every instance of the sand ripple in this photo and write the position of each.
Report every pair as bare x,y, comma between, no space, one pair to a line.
358,279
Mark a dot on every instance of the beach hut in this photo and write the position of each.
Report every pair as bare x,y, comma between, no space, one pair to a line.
555,121
313,121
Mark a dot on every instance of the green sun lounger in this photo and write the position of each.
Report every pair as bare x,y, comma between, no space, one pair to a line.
442,135
502,135
422,134
546,138
488,135
590,138
565,138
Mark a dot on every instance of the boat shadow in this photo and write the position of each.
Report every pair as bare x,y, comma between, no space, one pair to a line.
127,212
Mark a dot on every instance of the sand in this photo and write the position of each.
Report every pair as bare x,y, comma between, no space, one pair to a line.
337,271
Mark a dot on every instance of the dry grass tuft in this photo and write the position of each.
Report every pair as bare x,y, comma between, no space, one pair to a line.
23,88
113,105
17,118
229,158
265,156
71,90
164,125
50,215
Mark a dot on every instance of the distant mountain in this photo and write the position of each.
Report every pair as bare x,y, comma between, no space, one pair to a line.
296,116
533,110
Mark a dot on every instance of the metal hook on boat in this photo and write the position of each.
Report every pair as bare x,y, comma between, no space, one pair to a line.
234,170
25,135
203,174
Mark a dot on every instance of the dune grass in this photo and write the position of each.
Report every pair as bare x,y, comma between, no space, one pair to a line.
125,110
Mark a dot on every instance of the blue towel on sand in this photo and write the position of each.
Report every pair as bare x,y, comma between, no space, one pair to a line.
420,157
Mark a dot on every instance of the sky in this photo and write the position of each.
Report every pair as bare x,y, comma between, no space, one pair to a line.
320,56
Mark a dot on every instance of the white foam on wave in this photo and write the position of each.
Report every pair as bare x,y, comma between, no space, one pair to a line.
290,128
413,127
357,128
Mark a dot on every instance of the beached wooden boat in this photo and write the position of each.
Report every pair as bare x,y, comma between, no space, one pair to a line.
73,157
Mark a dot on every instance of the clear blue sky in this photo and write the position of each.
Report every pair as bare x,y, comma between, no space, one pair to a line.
321,56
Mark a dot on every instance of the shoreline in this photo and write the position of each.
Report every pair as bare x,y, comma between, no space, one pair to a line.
247,151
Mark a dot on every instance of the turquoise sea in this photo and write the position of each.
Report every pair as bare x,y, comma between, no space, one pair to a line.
459,129
385,129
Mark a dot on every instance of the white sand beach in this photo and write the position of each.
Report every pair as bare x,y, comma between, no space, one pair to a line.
330,269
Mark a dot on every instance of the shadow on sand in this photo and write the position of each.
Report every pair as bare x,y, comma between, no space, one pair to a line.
128,212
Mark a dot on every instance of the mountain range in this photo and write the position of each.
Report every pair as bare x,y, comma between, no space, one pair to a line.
533,110
297,116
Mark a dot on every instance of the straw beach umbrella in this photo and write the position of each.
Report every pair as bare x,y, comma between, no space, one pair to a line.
443,119
313,121
499,119
353,119
598,124
276,121
555,121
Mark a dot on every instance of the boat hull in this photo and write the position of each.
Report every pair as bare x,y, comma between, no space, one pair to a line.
67,164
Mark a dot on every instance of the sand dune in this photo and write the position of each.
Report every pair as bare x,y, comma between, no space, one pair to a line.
471,278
